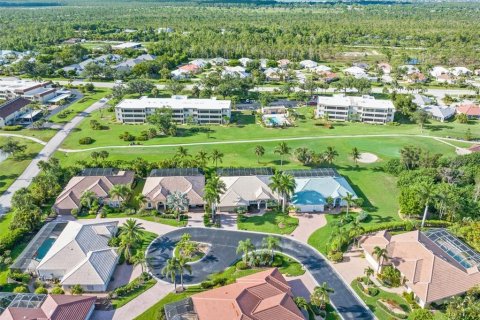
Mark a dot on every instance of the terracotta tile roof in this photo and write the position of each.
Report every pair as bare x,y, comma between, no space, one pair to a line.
430,273
12,106
469,109
100,185
262,296
189,68
55,307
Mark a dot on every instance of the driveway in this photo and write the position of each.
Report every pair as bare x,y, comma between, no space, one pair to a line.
223,254
48,150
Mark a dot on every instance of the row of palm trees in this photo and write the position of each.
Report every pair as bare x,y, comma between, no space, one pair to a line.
177,266
269,243
119,192
284,150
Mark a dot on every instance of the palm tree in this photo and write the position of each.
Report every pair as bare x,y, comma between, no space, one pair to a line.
141,200
132,229
287,187
368,273
349,200
214,188
275,184
182,267
216,157
426,192
282,149
245,246
330,154
356,231
182,152
126,247
202,158
271,243
178,202
139,259
259,152
121,192
321,295
355,155
301,303
87,198
170,270
381,255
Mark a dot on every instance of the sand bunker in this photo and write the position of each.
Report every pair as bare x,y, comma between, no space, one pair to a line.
366,157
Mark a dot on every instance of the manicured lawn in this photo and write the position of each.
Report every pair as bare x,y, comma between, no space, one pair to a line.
247,129
288,266
43,134
121,301
80,105
372,301
271,222
11,168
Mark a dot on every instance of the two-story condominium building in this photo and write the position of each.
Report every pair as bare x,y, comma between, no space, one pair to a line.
201,111
365,109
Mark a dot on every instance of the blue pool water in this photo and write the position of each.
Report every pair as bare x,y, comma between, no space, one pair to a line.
42,251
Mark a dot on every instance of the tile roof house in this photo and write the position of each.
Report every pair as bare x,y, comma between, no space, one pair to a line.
435,264
470,109
311,193
100,184
283,63
439,113
244,191
81,255
261,296
55,307
385,67
461,71
130,63
158,187
308,64
244,61
12,110
416,77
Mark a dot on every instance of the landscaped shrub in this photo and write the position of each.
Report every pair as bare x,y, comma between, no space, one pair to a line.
372,291
207,285
57,290
218,282
242,265
85,140
12,128
335,256
390,276
19,277
410,298
20,289
41,290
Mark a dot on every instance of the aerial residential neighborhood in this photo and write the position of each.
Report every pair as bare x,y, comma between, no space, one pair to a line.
254,160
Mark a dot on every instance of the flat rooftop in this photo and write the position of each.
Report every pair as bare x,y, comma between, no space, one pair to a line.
354,101
14,84
176,102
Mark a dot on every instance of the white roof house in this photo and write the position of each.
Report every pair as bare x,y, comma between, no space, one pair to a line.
219,61
243,191
421,100
175,102
355,71
460,71
199,62
308,64
437,71
81,255
130,63
439,113
235,71
244,61
322,68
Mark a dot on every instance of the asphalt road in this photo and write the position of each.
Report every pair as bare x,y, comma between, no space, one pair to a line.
223,254
48,150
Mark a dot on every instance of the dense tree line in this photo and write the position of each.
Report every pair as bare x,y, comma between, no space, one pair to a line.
440,32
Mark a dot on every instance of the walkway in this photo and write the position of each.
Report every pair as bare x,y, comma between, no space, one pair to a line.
49,149
308,223
223,254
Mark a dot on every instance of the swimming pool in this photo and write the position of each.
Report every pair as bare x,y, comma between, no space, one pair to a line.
275,120
43,249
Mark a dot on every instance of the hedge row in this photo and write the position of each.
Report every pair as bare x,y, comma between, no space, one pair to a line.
405,225
12,238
